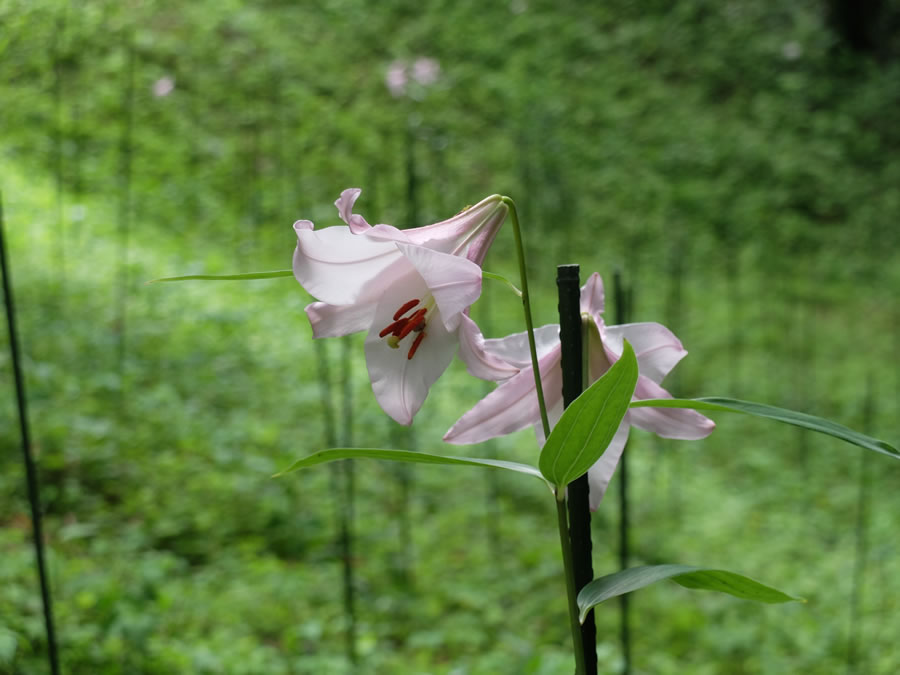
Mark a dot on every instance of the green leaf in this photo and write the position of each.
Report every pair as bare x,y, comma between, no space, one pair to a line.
502,279
334,454
717,403
699,578
589,423
228,277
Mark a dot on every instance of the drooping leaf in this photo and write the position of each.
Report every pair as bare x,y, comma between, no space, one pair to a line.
335,454
228,277
699,578
588,425
798,419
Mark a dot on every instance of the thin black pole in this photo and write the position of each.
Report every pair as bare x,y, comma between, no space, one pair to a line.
125,152
855,656
570,337
412,191
338,489
57,144
349,498
623,315
34,497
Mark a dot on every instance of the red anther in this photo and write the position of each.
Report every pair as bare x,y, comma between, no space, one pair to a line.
420,327
394,327
405,307
411,322
415,344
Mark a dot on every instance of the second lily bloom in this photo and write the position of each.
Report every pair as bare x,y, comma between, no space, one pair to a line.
409,289
513,405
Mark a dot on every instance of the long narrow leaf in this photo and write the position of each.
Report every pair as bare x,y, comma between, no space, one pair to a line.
698,578
228,277
798,419
334,454
589,423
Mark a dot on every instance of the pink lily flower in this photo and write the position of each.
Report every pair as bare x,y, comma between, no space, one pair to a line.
409,289
513,405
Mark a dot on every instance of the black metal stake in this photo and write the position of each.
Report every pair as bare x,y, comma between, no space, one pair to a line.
34,497
570,337
622,315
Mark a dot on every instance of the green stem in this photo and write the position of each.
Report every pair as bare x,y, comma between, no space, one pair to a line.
566,547
529,324
561,517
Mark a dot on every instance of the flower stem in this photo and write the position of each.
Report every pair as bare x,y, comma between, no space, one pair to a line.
566,547
561,513
529,324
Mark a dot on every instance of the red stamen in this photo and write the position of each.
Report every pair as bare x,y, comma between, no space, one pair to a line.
413,321
415,344
405,307
420,327
394,327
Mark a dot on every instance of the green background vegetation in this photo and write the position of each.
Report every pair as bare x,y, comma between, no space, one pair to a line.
733,159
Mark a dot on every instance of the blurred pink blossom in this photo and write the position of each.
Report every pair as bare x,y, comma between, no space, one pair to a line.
395,79
424,72
163,86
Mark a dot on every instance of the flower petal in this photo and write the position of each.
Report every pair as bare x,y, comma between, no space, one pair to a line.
336,320
510,407
359,225
479,362
656,347
602,472
592,296
454,282
514,348
400,383
336,266
467,234
344,204
688,425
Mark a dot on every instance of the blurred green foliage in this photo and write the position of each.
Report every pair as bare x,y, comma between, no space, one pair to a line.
734,159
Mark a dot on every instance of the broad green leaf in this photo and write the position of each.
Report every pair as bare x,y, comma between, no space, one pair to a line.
589,423
798,419
699,578
502,279
228,277
334,454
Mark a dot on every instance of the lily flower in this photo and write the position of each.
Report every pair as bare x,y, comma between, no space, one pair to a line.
513,405
409,289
